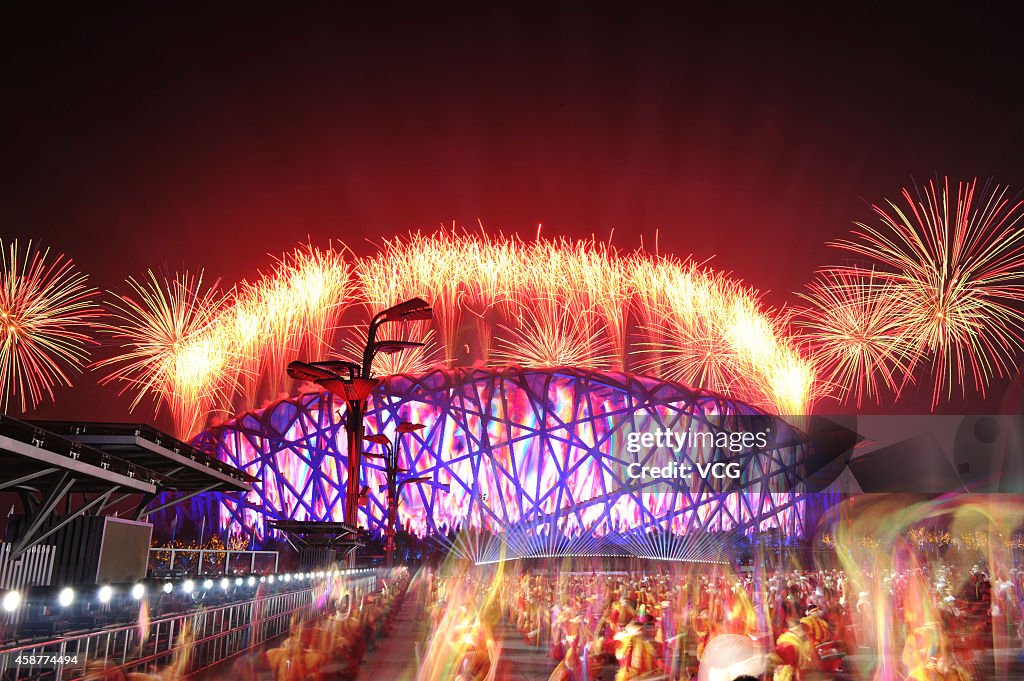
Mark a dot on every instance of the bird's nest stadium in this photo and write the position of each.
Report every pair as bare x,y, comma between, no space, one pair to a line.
537,462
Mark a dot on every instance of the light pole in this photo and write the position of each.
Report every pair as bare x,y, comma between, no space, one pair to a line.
394,485
354,381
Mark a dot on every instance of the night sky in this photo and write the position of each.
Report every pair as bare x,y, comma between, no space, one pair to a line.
165,135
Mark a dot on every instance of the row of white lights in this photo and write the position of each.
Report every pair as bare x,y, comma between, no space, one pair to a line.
12,599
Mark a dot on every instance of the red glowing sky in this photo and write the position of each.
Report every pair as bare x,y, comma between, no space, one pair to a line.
168,137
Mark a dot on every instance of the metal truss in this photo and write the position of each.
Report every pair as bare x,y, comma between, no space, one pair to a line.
536,461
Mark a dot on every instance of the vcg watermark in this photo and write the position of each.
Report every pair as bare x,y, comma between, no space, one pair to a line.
704,453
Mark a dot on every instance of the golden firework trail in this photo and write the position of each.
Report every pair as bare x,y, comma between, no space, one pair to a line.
165,327
47,312
496,299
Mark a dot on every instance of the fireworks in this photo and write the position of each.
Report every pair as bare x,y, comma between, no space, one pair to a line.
956,262
46,312
558,302
496,300
200,350
552,334
434,268
704,329
299,306
415,360
857,327
945,287
169,352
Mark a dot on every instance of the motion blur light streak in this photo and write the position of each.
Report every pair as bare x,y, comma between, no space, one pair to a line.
46,314
957,262
534,460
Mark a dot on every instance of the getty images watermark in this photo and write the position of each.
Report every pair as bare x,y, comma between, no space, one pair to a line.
685,445
716,453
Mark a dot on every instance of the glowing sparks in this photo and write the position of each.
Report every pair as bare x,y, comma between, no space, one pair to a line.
199,350
496,300
857,328
559,302
957,262
46,313
555,335
704,329
164,326
299,306
415,360
316,286
433,268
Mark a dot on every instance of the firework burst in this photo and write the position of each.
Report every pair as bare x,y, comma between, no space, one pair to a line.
46,313
705,329
858,333
300,304
169,351
551,335
551,315
319,286
689,352
244,327
957,260
684,331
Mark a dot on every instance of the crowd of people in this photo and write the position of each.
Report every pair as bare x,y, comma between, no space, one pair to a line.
921,624
706,623
333,647
938,623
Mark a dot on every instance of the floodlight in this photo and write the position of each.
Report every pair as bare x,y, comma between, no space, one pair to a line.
11,601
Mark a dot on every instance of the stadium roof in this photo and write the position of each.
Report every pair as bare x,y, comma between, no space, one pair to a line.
32,457
48,461
183,467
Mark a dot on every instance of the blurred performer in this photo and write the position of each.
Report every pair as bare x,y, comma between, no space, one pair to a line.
794,653
634,653
570,668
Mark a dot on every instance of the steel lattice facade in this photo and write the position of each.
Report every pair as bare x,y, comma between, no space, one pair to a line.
535,460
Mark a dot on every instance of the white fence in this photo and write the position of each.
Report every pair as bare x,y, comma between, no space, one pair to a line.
212,635
33,568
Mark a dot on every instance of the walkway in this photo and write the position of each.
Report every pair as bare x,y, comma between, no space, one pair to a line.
519,660
394,659
395,656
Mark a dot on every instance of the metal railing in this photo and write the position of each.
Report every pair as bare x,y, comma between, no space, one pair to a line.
193,641
158,555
